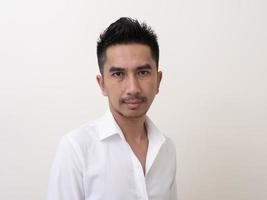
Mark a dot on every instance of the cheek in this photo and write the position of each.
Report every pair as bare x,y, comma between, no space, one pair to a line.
151,89
153,85
114,91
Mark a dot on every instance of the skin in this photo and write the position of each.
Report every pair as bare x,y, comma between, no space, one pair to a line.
131,81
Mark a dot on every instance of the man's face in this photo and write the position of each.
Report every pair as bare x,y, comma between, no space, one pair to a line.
130,79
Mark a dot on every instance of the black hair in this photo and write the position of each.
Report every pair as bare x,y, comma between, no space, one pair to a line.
126,31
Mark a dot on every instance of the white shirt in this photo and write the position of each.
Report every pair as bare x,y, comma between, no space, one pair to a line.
95,162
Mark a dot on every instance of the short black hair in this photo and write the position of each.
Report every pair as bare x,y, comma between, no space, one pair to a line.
126,31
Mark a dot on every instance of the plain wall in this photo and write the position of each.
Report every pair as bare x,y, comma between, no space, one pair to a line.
212,101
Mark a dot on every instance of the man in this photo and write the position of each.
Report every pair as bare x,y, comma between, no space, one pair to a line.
122,155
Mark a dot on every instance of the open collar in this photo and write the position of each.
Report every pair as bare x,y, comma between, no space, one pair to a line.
156,140
108,127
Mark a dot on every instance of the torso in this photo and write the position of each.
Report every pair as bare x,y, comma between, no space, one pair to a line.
140,150
104,167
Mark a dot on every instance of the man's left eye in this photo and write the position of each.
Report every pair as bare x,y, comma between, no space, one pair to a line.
143,73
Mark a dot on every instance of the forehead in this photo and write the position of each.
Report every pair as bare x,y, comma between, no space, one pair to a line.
128,56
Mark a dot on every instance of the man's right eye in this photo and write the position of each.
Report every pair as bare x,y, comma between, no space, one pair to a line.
117,74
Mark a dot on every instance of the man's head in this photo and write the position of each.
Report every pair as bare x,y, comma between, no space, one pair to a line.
128,60
126,31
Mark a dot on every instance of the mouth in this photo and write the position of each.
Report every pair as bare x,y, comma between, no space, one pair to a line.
133,103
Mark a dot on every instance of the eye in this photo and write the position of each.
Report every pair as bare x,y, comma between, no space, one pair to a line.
118,75
143,73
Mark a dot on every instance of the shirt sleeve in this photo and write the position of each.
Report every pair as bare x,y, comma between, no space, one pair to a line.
66,176
174,185
174,191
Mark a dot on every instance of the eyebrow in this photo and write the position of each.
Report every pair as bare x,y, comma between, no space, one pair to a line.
116,69
120,69
145,66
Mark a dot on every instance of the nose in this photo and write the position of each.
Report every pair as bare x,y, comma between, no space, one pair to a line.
133,86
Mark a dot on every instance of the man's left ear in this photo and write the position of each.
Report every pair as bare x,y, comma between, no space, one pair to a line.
159,80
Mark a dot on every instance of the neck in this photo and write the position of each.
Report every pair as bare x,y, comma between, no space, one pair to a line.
132,128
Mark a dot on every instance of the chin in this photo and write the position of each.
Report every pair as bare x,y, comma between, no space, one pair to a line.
132,113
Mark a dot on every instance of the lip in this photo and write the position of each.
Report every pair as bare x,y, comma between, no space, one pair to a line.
133,104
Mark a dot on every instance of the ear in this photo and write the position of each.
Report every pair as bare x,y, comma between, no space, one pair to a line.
100,81
159,80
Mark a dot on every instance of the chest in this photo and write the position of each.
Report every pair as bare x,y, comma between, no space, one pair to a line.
116,174
140,151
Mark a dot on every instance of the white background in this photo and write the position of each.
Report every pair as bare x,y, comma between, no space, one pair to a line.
212,103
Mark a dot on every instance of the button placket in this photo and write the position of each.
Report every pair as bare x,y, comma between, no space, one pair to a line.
138,175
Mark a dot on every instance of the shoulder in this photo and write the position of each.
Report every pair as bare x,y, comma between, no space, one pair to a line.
82,138
86,133
76,146
169,147
169,143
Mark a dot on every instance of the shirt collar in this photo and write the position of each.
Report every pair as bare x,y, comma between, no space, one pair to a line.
107,127
156,140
